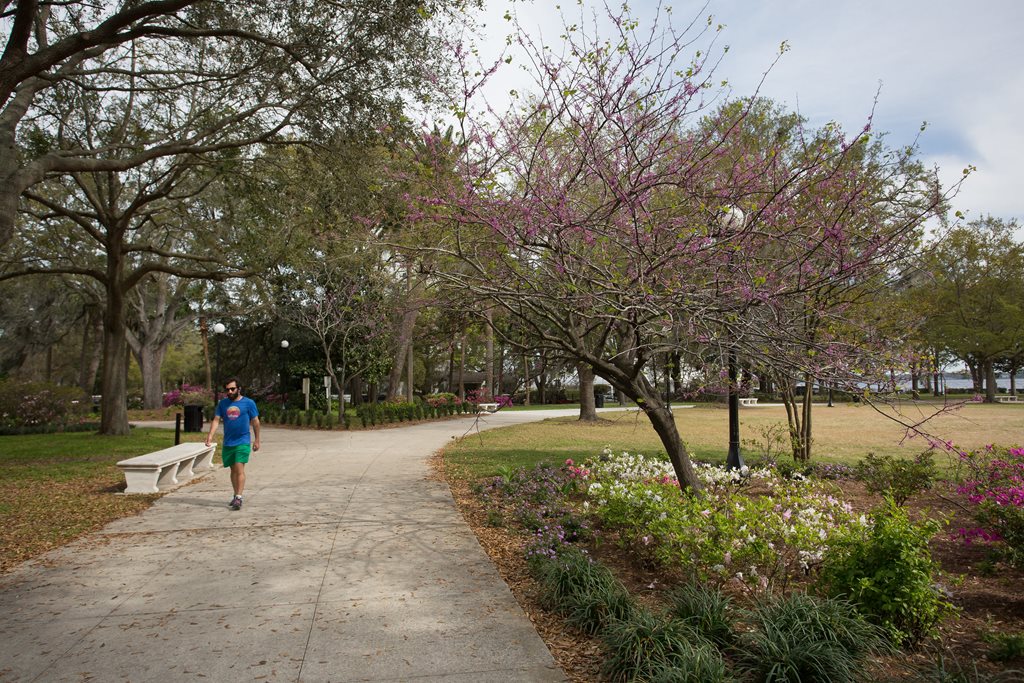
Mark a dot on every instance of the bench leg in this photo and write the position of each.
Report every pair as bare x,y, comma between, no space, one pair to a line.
204,461
168,475
185,470
141,481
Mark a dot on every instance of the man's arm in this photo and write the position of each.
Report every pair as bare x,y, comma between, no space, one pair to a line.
255,423
213,429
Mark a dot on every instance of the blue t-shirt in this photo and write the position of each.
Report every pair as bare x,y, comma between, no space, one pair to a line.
236,416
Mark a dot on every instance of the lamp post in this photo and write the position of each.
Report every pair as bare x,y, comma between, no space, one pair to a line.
731,220
218,330
284,351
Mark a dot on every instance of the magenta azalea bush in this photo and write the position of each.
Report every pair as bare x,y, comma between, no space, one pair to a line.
994,486
188,395
440,400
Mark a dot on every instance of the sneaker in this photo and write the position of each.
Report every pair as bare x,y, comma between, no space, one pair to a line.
236,503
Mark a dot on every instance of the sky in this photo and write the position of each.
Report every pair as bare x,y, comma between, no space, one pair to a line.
957,65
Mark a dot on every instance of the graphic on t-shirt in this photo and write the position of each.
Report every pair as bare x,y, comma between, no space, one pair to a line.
233,412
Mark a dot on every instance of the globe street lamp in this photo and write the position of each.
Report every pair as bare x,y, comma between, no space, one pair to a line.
218,330
284,350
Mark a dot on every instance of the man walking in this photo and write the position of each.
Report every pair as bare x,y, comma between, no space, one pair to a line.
238,413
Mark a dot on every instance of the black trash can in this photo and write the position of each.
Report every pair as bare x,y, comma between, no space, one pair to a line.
599,400
193,418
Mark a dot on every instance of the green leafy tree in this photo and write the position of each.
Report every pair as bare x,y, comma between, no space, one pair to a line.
974,296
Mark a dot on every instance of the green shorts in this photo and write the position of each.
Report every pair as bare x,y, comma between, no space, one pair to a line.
229,455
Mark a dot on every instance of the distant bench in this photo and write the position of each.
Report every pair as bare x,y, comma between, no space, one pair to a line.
748,401
1006,399
162,469
487,407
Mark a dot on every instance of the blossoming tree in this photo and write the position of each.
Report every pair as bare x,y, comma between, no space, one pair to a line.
622,209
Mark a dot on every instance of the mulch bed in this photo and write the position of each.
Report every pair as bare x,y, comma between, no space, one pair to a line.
990,596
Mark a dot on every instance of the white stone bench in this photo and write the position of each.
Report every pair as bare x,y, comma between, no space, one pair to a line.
158,470
748,401
1006,399
487,407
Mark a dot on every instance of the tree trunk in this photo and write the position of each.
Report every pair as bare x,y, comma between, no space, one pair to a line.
410,373
114,403
92,350
405,331
936,389
357,391
450,386
975,376
151,359
677,375
990,381
798,416
526,380
914,375
489,355
665,427
501,369
588,411
462,369
10,188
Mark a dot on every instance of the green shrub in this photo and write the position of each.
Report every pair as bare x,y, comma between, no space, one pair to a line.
30,404
319,418
646,645
886,570
899,477
704,609
329,421
803,638
585,592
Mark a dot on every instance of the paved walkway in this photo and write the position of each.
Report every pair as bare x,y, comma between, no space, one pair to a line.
346,564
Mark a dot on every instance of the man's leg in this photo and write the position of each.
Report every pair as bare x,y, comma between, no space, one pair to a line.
238,477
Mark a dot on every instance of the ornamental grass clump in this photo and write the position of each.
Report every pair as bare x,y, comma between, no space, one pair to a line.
803,638
648,646
585,592
704,609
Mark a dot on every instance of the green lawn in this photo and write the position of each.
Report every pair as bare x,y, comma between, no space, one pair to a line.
54,487
844,433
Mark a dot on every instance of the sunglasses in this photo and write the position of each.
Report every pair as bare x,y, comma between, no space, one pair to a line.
231,389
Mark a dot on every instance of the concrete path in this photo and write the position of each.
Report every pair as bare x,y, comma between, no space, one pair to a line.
346,563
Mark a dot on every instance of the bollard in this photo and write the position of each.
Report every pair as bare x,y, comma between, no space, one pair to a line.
177,428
